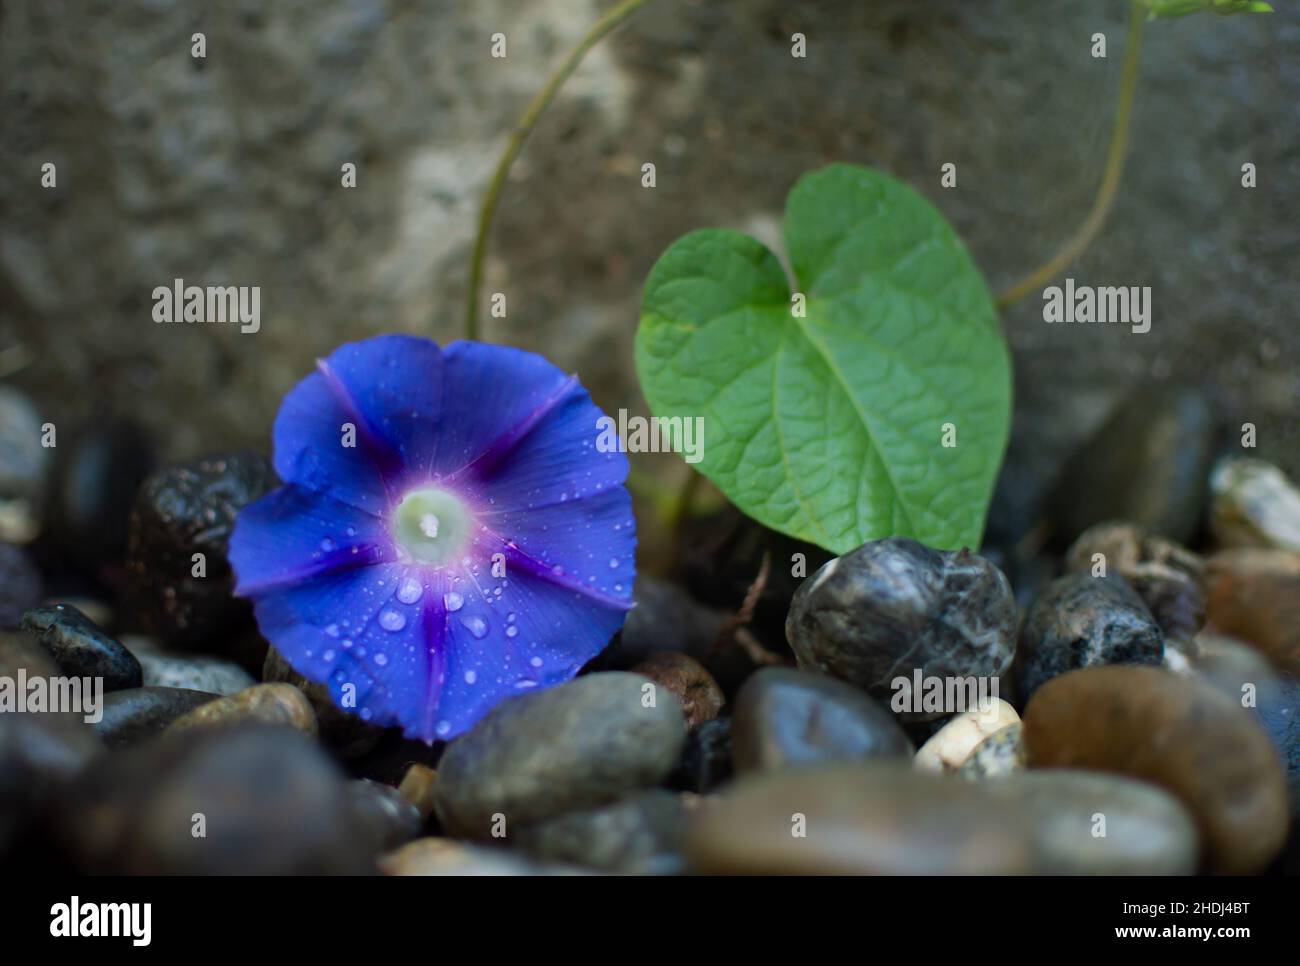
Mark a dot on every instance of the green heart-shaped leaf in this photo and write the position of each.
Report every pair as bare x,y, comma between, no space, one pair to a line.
831,427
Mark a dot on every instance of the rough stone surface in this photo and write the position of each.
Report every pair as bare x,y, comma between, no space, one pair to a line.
212,170
1084,621
581,744
1169,579
179,512
785,718
893,607
1175,732
706,758
196,673
949,747
80,648
1000,754
689,681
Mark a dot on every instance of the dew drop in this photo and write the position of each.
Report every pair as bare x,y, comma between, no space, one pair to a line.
409,591
443,727
511,631
329,655
523,684
381,659
327,544
535,661
332,630
557,570
453,601
476,626
613,563
470,677
391,620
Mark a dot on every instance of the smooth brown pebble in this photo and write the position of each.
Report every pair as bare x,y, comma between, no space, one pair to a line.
689,680
1176,732
274,704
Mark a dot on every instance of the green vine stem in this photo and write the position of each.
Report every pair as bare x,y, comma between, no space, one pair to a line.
1088,232
611,19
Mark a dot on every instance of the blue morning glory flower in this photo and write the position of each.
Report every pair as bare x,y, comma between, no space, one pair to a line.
449,534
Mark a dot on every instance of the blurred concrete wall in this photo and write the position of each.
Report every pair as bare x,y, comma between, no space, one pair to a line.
226,170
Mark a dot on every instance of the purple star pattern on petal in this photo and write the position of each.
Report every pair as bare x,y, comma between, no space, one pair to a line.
448,535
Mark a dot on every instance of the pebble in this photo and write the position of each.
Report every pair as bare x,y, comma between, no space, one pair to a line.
272,704
950,747
138,713
1169,579
211,674
439,856
39,751
96,478
1000,754
1176,732
385,818
268,801
82,649
688,680
1084,621
418,787
24,466
342,730
181,511
786,718
1262,608
705,761
1149,464
20,585
882,818
582,744
641,835
1254,504
893,607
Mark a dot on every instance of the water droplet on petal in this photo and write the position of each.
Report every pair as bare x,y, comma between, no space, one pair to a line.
443,727
381,659
613,563
332,630
391,620
470,677
327,544
453,601
535,661
476,626
511,631
409,591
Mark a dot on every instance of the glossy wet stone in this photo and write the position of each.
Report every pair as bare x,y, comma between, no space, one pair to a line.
1149,463
579,745
1176,732
82,649
343,731
705,761
1084,621
134,714
688,680
179,512
786,718
267,800
20,584
1169,579
384,818
210,674
641,835
893,607
268,704
948,748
